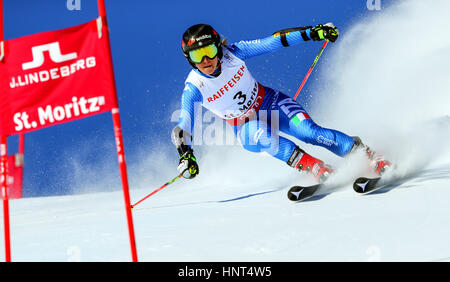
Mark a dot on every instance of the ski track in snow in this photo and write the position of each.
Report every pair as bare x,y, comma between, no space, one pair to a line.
398,88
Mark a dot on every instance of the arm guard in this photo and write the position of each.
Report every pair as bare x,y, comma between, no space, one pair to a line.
282,34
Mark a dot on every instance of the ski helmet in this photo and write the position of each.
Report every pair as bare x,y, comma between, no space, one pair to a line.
198,36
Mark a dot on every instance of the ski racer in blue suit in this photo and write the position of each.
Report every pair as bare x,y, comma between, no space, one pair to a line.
221,82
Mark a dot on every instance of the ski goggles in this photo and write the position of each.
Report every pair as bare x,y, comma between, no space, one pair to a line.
197,55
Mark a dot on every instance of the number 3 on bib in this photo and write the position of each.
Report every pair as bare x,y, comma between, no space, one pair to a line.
241,97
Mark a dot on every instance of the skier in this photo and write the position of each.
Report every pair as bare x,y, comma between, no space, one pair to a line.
222,83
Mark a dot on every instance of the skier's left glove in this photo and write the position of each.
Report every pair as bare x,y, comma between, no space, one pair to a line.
324,31
188,164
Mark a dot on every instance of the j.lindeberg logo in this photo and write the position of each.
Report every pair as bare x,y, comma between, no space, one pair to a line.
60,71
55,55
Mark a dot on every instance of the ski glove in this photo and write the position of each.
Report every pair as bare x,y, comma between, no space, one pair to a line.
188,164
324,31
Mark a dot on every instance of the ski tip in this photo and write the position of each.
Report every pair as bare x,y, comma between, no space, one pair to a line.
294,193
364,184
299,193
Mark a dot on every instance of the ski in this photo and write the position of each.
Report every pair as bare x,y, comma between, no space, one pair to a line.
362,185
365,185
300,193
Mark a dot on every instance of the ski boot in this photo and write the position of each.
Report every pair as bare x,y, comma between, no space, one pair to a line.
302,161
376,161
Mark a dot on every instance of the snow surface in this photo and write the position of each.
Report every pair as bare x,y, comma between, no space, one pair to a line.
406,222
392,90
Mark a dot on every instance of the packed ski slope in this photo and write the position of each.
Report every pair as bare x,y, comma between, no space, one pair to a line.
245,222
389,87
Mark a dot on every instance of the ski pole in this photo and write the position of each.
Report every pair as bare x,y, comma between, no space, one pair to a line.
311,68
157,190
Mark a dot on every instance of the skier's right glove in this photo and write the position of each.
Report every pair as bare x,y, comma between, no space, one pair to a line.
188,165
324,31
